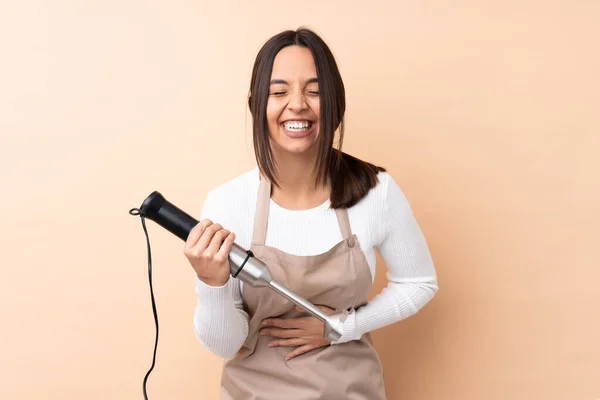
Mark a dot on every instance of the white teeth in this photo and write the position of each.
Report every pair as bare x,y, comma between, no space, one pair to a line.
297,125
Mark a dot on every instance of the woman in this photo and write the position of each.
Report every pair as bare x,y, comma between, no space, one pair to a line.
315,215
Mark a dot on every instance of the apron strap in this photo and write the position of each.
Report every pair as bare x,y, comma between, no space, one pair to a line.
261,218
344,222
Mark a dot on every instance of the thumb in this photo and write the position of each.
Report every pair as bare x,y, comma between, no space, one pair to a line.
320,307
326,308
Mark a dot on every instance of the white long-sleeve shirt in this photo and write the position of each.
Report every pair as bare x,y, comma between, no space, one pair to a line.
382,220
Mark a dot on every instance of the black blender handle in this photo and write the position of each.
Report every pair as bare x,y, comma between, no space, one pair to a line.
167,215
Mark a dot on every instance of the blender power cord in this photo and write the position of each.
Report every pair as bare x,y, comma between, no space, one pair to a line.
135,212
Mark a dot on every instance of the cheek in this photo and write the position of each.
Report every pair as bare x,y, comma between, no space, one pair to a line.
316,108
272,118
273,111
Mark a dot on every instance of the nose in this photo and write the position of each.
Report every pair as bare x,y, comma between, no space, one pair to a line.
297,101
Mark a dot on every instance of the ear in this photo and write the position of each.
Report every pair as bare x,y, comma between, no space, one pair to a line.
250,100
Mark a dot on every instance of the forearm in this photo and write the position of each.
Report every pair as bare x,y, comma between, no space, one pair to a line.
220,324
398,301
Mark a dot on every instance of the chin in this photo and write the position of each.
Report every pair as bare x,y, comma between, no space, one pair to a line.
294,148
296,142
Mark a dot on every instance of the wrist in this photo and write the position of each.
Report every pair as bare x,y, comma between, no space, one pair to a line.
212,281
349,329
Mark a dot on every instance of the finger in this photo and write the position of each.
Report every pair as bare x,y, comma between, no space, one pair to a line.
217,240
196,233
299,350
282,333
206,237
301,309
226,247
325,309
288,342
287,323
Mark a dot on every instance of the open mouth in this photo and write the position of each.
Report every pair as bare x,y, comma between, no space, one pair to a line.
297,126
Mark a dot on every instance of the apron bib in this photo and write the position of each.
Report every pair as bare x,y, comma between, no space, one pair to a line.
340,279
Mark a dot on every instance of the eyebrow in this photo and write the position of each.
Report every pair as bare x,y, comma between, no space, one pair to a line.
284,82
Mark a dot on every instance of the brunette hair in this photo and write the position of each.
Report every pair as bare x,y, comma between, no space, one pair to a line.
350,178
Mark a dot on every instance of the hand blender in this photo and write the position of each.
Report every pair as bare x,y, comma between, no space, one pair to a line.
243,264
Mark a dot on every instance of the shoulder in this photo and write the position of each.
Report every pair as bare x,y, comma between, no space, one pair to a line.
237,186
232,197
371,207
378,194
384,198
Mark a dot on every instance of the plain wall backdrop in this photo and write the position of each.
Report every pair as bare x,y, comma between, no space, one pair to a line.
487,113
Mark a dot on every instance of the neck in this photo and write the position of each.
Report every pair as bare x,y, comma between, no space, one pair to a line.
296,176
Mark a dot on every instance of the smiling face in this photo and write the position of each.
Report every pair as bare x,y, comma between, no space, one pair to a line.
293,115
293,106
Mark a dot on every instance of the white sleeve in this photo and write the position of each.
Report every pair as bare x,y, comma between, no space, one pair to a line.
220,322
412,280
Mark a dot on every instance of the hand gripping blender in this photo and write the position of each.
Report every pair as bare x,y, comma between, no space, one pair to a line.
243,265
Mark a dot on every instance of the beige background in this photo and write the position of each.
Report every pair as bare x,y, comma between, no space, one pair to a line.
486,113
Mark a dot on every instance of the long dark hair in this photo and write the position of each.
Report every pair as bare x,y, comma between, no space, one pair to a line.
350,178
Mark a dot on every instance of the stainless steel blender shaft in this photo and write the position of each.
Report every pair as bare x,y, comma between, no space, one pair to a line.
308,306
253,271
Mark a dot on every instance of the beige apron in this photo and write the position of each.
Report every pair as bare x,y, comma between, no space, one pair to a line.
339,278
